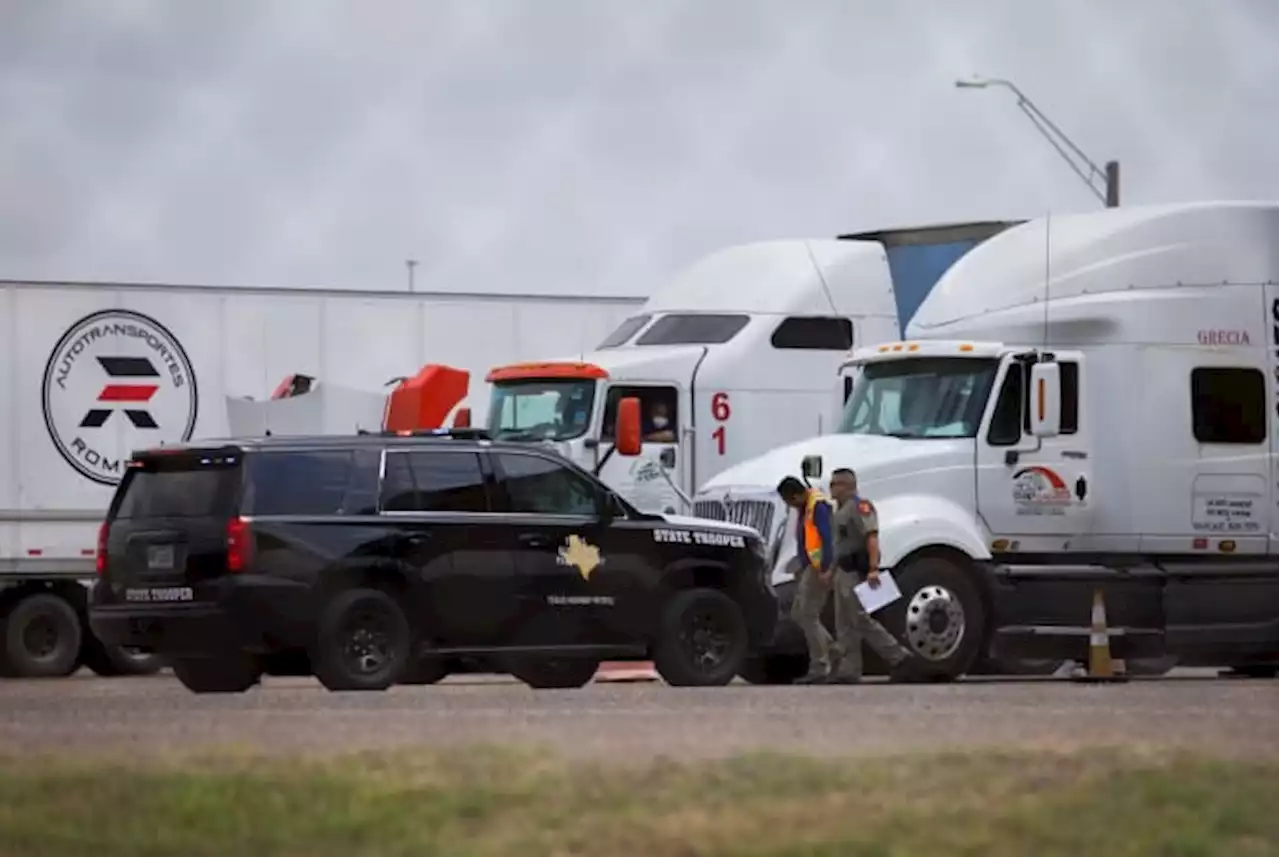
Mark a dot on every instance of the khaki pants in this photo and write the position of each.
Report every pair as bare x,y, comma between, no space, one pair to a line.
806,611
853,625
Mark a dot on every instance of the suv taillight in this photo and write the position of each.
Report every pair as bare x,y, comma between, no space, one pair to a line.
101,557
237,545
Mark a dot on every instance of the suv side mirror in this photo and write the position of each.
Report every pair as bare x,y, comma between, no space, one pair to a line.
1046,400
811,466
627,430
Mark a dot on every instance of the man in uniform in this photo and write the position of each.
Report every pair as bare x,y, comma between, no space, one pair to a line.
814,566
858,555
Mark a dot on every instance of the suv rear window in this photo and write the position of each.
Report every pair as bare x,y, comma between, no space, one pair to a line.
182,485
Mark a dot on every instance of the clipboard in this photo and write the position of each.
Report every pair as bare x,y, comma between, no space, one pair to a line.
879,597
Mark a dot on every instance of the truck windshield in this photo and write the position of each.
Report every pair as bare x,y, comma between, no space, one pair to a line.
558,409
934,397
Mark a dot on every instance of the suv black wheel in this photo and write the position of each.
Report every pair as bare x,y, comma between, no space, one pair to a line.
774,669
364,642
233,673
41,637
702,639
555,673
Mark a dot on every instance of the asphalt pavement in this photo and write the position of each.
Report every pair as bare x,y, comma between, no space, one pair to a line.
130,716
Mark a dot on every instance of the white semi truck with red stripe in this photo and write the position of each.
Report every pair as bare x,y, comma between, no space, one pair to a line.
93,371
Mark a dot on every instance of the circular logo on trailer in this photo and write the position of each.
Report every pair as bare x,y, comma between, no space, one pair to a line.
117,381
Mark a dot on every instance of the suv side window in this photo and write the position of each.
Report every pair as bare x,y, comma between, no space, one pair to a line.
433,481
298,482
540,486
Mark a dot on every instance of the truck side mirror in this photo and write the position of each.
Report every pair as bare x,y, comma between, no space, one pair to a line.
627,430
811,466
462,419
1046,400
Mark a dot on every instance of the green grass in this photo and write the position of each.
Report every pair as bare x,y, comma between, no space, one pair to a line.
489,802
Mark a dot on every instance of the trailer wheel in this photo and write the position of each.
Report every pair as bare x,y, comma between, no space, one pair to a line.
940,616
109,661
41,638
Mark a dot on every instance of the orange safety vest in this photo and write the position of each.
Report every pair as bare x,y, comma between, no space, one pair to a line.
812,540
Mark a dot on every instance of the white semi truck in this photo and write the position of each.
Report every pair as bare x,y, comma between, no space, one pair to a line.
1083,403
91,372
740,352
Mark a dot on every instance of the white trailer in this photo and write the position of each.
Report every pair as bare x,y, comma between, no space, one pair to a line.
94,371
1083,403
742,349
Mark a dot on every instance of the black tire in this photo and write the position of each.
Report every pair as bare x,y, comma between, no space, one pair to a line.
940,617
555,673
233,673
774,669
42,636
1254,671
363,641
426,671
702,639
110,661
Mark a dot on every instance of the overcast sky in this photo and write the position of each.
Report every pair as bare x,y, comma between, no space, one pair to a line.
587,145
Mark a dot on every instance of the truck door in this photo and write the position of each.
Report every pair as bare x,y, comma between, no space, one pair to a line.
647,479
1035,490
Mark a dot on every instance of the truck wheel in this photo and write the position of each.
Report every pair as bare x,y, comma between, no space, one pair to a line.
364,642
774,669
234,673
425,671
940,617
555,673
41,639
702,639
110,661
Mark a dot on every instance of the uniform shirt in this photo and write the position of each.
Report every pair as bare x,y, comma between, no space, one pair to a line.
855,520
822,521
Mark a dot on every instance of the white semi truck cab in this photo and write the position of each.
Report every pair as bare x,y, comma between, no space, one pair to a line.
738,354
1083,403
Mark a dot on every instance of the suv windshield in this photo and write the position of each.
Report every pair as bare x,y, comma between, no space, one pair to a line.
557,409
928,397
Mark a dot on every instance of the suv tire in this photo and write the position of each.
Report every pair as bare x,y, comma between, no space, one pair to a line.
702,639
41,637
363,641
233,673
555,673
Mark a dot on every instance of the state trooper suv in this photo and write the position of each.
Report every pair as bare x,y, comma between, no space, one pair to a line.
381,559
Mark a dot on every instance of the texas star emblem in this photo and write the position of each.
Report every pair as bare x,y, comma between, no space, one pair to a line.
578,552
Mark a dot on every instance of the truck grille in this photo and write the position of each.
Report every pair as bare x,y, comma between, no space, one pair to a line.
757,514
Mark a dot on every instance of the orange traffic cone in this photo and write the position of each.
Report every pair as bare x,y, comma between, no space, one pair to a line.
619,671
1101,666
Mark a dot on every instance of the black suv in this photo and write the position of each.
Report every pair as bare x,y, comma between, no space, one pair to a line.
373,560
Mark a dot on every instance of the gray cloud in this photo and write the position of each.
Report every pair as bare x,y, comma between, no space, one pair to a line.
586,145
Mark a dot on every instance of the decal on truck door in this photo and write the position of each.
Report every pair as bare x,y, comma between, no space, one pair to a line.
1040,490
116,381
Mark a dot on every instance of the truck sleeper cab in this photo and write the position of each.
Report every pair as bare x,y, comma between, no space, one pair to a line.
1117,438
381,559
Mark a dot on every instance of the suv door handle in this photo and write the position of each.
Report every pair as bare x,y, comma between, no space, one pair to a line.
533,540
